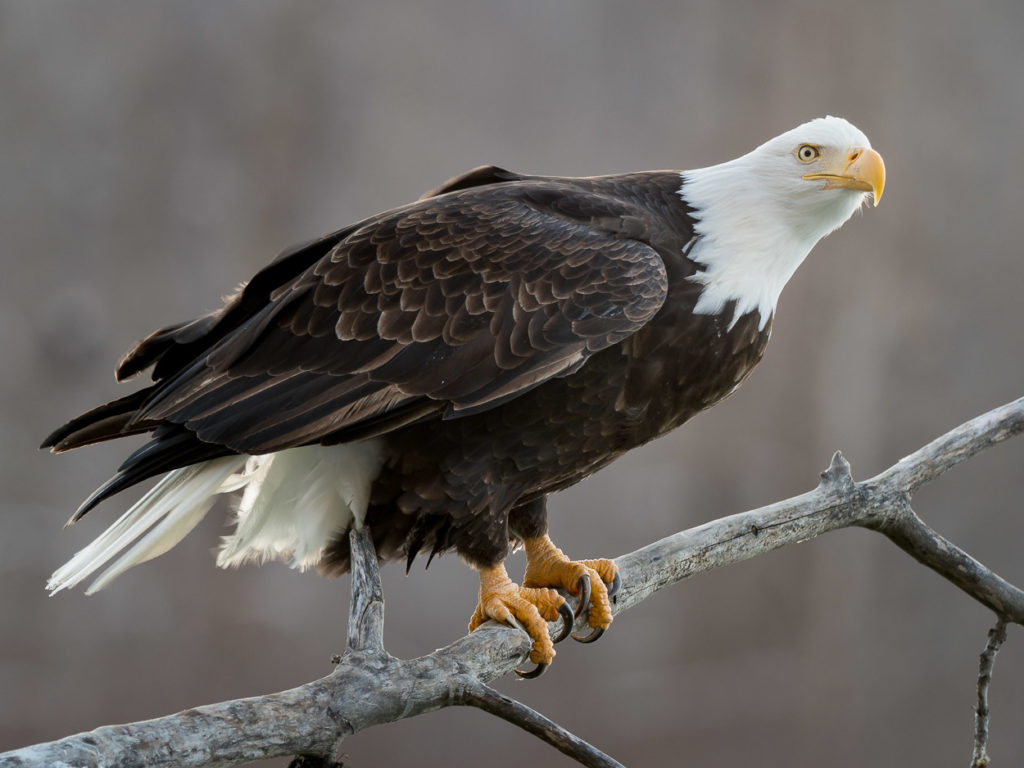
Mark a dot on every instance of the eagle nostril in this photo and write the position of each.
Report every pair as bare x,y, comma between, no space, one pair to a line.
854,155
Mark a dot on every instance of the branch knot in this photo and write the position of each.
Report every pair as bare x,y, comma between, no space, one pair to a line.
838,476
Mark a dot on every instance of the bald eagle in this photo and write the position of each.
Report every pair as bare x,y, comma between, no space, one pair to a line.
437,370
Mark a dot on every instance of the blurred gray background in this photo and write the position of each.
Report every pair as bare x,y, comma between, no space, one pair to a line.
153,155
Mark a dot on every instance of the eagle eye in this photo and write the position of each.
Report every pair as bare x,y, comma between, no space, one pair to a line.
808,152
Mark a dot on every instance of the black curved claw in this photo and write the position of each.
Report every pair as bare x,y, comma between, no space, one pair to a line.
567,621
583,588
595,634
613,590
533,673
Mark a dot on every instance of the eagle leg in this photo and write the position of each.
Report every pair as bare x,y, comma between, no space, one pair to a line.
594,582
527,607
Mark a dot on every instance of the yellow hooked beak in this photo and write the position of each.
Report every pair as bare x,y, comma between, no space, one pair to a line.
860,169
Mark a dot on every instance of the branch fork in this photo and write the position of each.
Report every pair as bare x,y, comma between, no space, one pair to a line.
366,642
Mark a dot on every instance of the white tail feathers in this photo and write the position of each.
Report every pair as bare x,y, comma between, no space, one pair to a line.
172,508
293,504
296,501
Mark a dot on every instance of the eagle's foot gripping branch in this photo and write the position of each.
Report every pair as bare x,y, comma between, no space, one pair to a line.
594,582
529,608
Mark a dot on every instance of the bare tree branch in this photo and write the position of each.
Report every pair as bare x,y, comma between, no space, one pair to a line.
996,637
490,700
880,503
366,608
957,445
909,532
370,687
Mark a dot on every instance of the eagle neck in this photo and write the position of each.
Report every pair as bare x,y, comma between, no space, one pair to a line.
744,247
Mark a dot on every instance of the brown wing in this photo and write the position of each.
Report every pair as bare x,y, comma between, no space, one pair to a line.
455,303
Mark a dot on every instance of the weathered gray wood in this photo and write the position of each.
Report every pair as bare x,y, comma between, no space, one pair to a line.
364,690
957,445
996,637
500,705
366,607
370,687
910,533
727,540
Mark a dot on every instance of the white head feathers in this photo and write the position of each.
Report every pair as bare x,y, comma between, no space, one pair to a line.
758,217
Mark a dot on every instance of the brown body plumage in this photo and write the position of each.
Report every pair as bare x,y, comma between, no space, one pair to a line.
456,327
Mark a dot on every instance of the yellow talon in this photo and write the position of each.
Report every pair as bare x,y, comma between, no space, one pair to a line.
547,566
537,601
531,607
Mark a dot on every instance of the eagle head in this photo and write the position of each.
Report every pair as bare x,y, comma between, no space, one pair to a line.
760,214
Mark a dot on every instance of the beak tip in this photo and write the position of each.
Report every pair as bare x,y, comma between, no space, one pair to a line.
877,176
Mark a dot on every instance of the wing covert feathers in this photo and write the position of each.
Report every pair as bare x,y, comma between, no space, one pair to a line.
463,300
